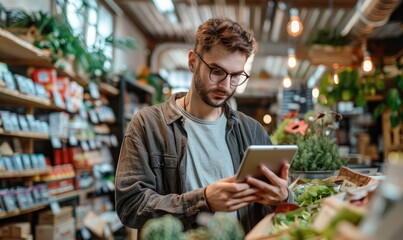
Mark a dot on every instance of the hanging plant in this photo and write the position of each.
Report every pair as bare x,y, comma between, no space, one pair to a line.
330,37
347,89
393,103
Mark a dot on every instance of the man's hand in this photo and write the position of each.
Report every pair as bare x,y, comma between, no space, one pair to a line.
275,190
227,195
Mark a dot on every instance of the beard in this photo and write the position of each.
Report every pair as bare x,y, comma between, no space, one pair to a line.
203,91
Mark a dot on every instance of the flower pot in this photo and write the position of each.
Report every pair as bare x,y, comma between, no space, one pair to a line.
328,55
310,175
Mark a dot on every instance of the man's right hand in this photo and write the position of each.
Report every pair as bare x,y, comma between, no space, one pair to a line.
227,195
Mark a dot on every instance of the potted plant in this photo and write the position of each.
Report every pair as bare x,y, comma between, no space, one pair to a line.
329,46
318,155
66,48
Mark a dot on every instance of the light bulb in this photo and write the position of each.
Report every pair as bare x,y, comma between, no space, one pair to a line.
287,82
292,59
336,79
367,65
315,92
294,26
267,119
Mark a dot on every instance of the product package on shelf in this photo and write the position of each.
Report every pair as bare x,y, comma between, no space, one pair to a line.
60,179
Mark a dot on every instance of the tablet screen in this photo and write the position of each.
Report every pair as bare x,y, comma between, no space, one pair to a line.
273,156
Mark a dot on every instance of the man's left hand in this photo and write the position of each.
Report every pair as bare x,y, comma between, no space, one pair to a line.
275,190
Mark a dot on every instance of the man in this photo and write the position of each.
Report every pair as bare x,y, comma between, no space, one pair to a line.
180,157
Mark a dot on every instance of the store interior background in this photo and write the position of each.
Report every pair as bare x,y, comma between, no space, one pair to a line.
164,39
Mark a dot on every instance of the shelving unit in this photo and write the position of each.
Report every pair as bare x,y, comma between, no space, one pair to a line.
144,95
17,52
59,198
28,135
23,173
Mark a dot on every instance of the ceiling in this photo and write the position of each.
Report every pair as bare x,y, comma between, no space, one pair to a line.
268,19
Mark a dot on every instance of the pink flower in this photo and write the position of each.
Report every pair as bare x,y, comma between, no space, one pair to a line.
299,127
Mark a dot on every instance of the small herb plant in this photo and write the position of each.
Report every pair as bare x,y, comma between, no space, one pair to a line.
317,149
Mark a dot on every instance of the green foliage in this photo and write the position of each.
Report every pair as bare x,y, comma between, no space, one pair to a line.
393,103
330,37
317,153
166,227
280,136
55,34
307,195
348,89
317,150
302,231
222,227
344,214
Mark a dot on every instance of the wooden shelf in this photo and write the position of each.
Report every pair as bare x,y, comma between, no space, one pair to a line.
16,98
30,135
14,49
65,196
24,211
55,179
23,173
108,89
58,198
136,85
13,97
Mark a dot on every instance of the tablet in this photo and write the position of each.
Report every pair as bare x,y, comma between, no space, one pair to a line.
273,156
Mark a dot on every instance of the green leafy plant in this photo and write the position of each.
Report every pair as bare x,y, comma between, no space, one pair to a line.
55,34
347,89
317,149
307,195
221,227
330,37
393,103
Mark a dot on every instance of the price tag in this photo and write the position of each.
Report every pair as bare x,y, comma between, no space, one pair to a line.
69,104
114,141
347,185
56,143
57,98
92,144
82,111
55,207
93,89
93,116
85,234
84,146
73,140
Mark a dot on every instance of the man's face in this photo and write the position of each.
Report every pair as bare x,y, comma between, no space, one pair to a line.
215,94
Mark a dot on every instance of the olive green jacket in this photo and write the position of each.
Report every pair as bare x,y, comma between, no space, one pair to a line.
150,171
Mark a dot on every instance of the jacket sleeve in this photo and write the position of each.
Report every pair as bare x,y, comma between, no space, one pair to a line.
137,197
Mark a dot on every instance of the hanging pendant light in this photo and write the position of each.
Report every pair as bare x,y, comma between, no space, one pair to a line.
367,65
294,26
287,81
292,59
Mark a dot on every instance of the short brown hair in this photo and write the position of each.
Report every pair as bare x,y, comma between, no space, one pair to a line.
232,35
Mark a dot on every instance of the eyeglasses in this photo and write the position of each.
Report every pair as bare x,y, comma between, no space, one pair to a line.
218,74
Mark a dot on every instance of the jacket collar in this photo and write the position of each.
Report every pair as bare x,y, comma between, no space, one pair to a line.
172,113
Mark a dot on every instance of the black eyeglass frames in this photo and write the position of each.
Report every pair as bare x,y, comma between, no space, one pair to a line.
218,74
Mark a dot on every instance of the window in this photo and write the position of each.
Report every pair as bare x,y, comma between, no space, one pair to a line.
89,19
92,21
